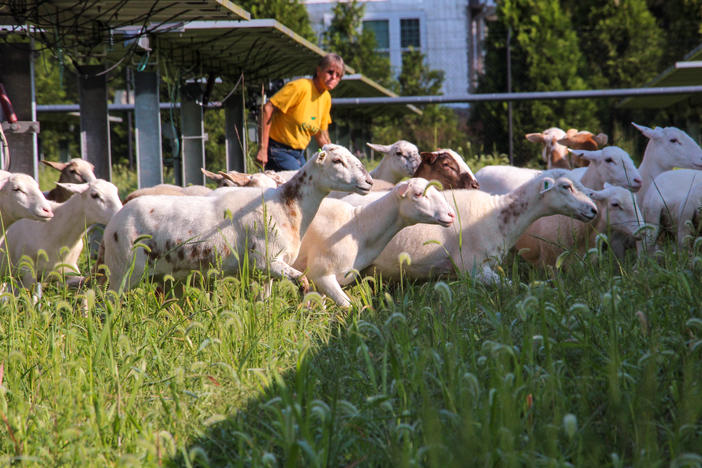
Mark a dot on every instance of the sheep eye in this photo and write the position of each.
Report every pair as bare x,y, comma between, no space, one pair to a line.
609,160
674,140
337,161
568,187
417,194
18,189
95,195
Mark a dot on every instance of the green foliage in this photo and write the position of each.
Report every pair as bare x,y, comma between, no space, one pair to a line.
545,57
356,45
438,126
291,13
596,365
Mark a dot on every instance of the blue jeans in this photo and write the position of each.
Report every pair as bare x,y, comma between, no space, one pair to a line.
284,158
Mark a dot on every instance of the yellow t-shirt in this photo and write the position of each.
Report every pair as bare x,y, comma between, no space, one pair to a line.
304,111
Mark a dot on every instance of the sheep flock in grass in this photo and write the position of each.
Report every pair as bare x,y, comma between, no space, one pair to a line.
417,215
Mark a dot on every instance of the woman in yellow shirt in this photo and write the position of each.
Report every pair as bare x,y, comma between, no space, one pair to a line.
295,114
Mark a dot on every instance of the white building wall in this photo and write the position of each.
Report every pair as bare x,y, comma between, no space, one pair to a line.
444,33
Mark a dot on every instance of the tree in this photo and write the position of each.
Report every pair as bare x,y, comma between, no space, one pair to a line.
357,46
291,13
438,126
545,57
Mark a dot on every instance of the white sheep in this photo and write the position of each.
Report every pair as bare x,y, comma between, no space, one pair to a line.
548,237
61,236
191,233
20,197
501,179
673,204
610,164
75,171
487,227
667,148
169,189
400,160
343,238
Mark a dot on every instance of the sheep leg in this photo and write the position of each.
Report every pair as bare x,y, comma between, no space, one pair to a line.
330,286
280,269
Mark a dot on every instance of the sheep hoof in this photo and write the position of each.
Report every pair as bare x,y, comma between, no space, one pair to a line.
304,285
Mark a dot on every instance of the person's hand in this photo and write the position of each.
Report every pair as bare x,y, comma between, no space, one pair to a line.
262,156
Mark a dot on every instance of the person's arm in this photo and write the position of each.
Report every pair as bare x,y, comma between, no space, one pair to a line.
322,137
266,119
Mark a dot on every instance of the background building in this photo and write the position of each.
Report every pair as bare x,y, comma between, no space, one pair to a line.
448,32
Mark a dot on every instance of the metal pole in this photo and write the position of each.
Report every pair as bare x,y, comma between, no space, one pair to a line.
509,91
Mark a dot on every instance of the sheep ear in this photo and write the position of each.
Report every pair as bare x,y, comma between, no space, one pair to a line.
535,137
3,180
596,194
402,189
647,132
236,178
73,188
601,139
321,156
211,175
429,157
59,166
589,155
381,148
547,184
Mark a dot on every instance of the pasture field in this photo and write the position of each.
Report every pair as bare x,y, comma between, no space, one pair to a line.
596,365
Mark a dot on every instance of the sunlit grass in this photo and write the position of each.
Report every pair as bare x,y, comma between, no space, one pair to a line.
597,365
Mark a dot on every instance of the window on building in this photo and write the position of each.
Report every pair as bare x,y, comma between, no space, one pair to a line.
409,33
382,32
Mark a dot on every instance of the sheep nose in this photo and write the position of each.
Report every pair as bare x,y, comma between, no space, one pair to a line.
593,211
637,181
369,180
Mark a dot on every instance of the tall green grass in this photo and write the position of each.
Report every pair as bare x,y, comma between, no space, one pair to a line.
599,364
596,365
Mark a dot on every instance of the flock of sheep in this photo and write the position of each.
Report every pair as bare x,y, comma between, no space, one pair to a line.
332,219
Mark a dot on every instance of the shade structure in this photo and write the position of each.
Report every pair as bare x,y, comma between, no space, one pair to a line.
84,29
261,50
687,72
83,15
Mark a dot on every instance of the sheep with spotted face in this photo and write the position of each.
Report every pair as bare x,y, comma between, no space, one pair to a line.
62,236
343,238
75,171
20,197
400,160
487,227
192,233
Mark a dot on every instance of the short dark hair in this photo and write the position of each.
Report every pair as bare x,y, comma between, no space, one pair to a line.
328,60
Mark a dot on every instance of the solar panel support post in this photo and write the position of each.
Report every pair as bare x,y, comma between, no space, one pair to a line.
147,121
235,132
94,124
16,74
192,135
